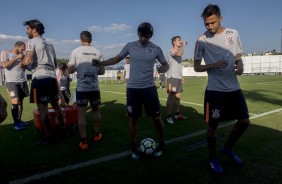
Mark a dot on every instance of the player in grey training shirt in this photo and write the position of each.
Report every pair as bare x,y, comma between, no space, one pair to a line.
141,89
87,89
41,57
221,50
175,79
15,81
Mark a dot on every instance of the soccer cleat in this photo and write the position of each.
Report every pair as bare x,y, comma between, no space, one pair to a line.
18,126
180,117
169,120
158,152
231,155
83,145
97,137
134,152
22,123
135,155
215,166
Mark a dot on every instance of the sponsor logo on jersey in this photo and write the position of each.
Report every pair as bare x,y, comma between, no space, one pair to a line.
229,32
89,54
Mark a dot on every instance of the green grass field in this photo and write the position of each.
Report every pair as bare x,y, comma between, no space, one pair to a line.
260,147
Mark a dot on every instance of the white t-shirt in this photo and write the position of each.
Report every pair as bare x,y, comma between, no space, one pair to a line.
87,75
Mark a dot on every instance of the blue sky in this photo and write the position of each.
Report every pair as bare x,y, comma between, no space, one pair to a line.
113,23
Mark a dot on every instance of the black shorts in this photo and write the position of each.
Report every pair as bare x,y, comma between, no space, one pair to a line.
44,90
17,89
223,106
148,97
174,85
83,97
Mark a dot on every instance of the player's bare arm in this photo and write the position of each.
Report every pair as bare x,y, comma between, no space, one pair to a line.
181,50
71,69
9,63
239,68
101,70
164,68
111,61
28,58
202,68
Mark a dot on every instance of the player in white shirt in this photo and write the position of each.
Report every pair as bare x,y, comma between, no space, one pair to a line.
141,89
41,58
221,50
87,89
175,79
16,81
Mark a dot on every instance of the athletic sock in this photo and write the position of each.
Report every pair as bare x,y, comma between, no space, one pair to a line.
211,145
15,113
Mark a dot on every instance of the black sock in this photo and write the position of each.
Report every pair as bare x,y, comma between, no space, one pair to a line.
15,113
212,146
177,113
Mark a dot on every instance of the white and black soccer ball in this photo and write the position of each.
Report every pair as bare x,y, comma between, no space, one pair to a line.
148,146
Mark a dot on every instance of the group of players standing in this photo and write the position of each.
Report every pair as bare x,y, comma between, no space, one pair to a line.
220,47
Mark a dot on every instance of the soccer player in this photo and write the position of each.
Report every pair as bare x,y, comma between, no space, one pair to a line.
126,72
175,79
141,89
87,89
221,50
41,58
64,80
16,82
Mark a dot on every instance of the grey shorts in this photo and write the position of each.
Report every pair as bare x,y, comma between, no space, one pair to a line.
17,89
174,85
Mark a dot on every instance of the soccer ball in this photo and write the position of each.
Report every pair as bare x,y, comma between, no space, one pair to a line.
148,146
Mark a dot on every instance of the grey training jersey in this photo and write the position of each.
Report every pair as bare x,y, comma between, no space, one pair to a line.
87,75
175,66
14,73
213,48
142,60
43,64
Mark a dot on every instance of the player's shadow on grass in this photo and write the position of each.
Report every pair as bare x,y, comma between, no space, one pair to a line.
261,95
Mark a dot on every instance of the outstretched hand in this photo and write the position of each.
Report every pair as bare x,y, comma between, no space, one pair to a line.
95,62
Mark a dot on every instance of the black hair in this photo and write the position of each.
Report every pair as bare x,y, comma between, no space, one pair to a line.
64,66
145,28
174,38
210,10
86,36
35,24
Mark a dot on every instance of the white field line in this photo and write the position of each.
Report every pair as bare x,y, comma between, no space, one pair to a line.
159,98
269,83
118,155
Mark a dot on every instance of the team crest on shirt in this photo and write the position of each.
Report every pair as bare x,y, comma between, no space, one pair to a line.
229,40
12,94
149,51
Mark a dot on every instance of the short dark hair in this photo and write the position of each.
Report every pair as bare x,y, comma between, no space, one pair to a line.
145,28
210,10
19,43
35,24
86,36
127,57
63,66
174,38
